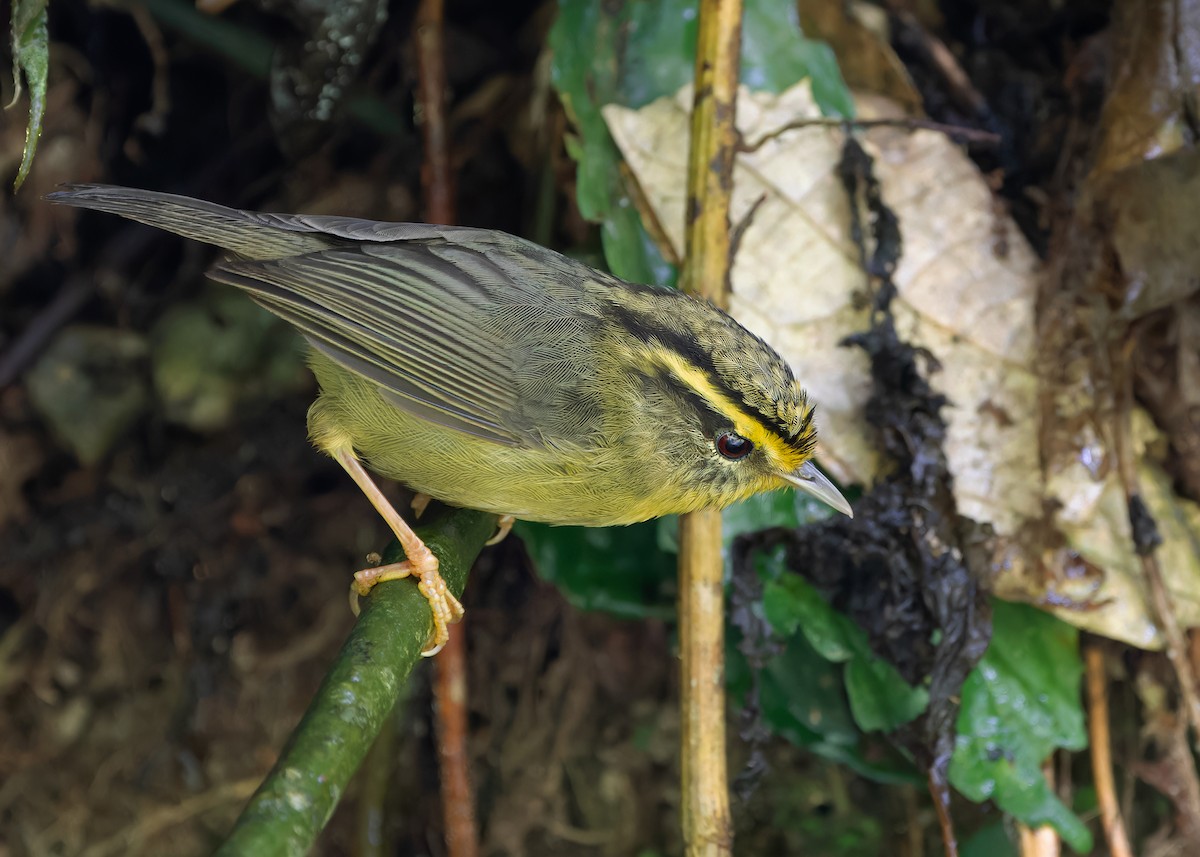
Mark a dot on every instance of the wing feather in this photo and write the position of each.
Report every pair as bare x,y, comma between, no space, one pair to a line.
447,332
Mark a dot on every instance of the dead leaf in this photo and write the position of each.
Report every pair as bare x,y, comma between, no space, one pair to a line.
968,285
797,282
1155,80
1143,191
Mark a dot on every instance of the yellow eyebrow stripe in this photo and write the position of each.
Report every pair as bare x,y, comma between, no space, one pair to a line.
781,454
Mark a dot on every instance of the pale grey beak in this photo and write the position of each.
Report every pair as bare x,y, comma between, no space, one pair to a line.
816,483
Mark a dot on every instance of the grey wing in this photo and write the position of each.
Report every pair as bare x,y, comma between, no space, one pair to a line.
477,338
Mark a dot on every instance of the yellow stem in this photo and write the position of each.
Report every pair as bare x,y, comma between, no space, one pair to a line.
707,828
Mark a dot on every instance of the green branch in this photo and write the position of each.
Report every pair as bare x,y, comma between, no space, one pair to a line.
294,803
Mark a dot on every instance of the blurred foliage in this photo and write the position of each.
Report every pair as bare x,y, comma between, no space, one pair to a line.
249,357
89,386
31,64
255,54
630,571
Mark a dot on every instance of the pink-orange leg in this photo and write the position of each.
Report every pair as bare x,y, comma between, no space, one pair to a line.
420,562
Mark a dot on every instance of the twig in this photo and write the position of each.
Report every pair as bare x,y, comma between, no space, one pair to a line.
707,828
1101,748
297,798
154,120
962,91
914,828
941,805
450,667
1146,538
437,176
973,135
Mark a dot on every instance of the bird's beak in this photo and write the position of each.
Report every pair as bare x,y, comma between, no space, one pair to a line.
808,478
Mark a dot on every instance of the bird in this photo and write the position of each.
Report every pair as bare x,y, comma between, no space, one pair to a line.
491,373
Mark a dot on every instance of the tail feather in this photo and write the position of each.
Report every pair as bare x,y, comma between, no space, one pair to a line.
249,234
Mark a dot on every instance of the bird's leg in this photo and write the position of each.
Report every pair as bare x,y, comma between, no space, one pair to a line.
420,562
504,525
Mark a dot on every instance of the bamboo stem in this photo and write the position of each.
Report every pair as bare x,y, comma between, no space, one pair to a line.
707,828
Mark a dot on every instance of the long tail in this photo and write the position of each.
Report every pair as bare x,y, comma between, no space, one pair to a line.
249,234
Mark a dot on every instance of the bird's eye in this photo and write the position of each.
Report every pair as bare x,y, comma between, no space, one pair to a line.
733,446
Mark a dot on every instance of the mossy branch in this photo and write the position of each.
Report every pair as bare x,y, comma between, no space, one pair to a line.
294,803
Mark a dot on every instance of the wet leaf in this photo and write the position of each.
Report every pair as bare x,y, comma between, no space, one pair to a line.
1148,109
1021,704
31,64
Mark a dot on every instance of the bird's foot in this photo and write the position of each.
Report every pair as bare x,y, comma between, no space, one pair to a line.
447,610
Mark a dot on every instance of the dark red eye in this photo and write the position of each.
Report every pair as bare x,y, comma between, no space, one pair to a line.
734,446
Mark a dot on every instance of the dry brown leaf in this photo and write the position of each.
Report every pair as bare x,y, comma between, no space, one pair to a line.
967,285
797,282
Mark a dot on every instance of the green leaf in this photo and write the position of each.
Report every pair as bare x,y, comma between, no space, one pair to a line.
829,89
633,53
770,509
791,603
620,570
31,62
802,700
1018,706
880,698
775,56
585,71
